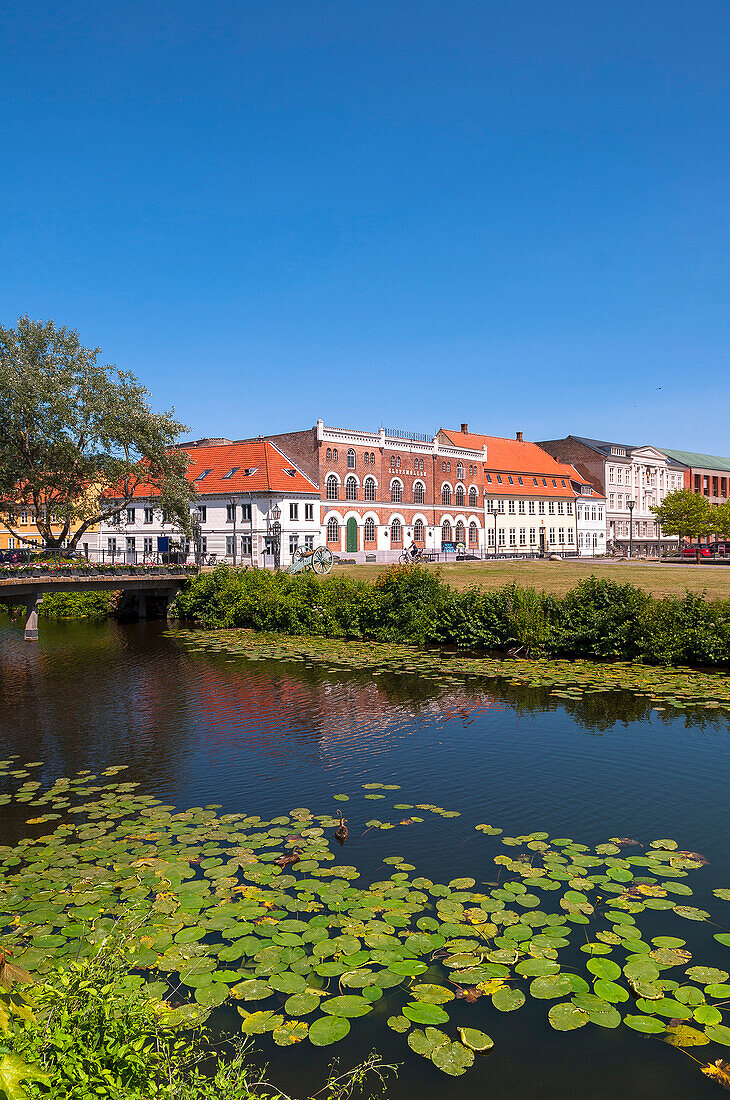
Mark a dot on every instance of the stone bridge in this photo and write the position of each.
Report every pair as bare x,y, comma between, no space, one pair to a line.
149,589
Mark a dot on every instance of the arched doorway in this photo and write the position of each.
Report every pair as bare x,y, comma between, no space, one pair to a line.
352,535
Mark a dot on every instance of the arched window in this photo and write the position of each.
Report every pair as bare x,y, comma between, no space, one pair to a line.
334,454
331,485
369,487
333,530
396,533
460,471
351,489
418,531
397,462
372,457
459,496
418,493
460,532
392,462
472,497
446,495
445,531
396,492
473,534
351,459
369,530
329,454
367,458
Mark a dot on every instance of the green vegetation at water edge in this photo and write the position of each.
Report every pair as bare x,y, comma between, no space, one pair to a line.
95,606
412,605
671,690
235,909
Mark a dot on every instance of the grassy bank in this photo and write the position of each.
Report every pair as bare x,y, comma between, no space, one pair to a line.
558,578
598,618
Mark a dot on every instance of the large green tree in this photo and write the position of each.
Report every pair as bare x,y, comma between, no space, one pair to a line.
686,514
77,438
721,517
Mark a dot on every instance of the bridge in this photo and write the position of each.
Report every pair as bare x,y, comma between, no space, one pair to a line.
156,589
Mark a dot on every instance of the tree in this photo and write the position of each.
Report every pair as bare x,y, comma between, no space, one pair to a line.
721,516
78,438
684,513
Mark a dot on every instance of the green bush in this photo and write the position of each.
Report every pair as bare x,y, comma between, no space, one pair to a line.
96,606
409,604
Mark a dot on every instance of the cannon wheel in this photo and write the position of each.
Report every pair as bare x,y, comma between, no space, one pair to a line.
299,553
322,560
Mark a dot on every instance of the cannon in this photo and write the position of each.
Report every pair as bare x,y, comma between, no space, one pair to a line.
319,560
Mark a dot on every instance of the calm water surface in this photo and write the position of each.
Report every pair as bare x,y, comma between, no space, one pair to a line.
266,736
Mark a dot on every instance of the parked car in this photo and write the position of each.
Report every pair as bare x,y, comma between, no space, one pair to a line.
721,548
693,551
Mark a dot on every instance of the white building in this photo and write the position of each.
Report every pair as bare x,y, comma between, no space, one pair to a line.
244,489
590,514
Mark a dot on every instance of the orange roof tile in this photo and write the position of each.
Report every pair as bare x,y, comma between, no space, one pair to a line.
510,455
269,470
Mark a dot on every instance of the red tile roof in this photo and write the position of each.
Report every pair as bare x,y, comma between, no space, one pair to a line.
511,455
269,470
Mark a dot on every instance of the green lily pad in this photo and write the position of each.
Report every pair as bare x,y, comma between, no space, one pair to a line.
453,1058
648,1024
399,1024
550,987
507,999
474,1039
419,1012
349,1006
327,1030
567,1016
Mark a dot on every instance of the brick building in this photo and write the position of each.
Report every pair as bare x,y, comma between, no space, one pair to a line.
705,475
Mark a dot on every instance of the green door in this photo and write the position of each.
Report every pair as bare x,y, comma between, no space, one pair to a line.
352,535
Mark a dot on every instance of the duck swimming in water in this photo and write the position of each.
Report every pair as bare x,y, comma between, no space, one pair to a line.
285,860
342,832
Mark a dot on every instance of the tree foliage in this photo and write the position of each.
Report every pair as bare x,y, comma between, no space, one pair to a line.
684,513
77,438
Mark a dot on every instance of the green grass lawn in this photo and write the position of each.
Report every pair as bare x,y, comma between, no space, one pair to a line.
559,577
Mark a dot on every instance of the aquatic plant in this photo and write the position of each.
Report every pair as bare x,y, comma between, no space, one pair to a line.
304,951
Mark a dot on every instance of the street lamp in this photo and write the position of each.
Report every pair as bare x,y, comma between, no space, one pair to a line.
659,539
631,504
493,511
275,529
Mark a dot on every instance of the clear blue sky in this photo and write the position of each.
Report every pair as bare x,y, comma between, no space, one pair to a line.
514,214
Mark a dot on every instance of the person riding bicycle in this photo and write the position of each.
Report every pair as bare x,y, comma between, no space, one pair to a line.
414,552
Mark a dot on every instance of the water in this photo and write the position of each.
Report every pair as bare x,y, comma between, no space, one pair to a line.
266,736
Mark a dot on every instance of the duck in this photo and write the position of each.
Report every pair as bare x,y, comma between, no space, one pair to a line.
342,832
285,860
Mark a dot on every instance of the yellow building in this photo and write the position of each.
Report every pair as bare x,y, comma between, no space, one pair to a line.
29,536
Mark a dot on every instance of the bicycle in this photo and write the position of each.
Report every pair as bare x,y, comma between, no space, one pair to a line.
407,558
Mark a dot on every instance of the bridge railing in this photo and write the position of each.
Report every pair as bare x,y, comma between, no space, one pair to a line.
35,558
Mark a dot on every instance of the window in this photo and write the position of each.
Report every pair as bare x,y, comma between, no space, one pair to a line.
619,500
459,496
245,546
350,459
202,513
445,532
396,492
541,507
561,536
131,545
246,513
560,508
397,462
501,536
448,467
443,467
396,533
460,532
294,511
293,543
544,481
233,470
520,481
511,507
148,546
367,458
555,484
489,479
130,515
593,514
11,543
472,498
473,534
334,454
392,462
369,533
203,474
510,479
331,487
111,546
533,539
333,530
500,506
531,507
351,488
229,514
460,471
552,535
309,513
600,514
251,470
551,507
611,500
569,507
523,536
490,537
535,480
499,479
619,476
369,488
512,537
329,454
521,507
580,540
230,546
418,493
446,495
419,533
309,542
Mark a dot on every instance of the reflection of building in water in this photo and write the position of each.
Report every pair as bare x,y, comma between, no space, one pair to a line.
283,712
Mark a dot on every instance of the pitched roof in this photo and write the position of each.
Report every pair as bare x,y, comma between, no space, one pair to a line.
605,448
692,458
512,455
258,467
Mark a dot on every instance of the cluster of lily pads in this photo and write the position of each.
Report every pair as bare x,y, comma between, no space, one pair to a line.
673,689
219,908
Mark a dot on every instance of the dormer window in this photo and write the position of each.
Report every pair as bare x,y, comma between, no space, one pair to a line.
203,474
233,470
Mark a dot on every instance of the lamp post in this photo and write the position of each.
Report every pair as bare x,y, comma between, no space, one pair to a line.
493,511
234,505
275,529
659,540
631,504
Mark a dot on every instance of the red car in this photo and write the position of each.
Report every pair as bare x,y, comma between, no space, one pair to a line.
693,551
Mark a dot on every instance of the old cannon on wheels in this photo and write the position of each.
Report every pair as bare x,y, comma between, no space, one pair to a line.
319,559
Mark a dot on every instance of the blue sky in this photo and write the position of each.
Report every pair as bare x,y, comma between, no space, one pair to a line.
414,214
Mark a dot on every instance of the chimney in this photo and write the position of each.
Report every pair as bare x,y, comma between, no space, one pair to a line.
465,428
518,437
